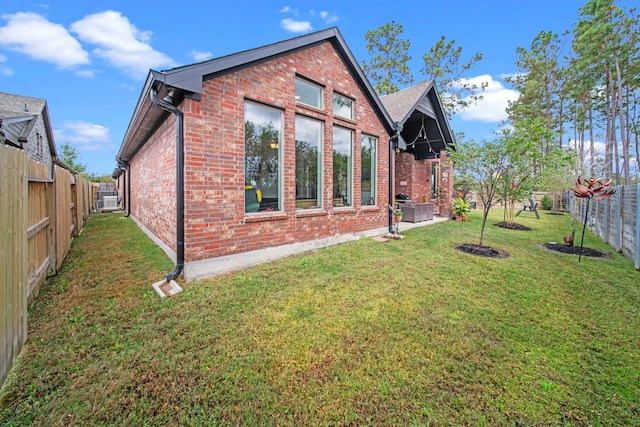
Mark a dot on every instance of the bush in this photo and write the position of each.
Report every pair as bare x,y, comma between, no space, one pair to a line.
546,203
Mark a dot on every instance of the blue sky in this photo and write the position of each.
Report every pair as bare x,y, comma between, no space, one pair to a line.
89,59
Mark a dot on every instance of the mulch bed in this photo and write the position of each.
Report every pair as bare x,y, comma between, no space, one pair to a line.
575,250
485,251
512,226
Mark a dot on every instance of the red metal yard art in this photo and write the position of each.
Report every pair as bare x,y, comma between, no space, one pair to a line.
591,189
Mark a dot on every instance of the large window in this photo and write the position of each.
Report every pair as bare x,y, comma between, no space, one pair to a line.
342,106
263,144
368,178
308,163
308,93
342,167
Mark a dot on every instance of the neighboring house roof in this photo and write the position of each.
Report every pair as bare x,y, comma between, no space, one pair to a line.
19,116
425,128
187,80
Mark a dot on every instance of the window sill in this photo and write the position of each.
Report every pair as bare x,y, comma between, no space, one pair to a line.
345,210
309,108
304,213
345,120
263,217
369,208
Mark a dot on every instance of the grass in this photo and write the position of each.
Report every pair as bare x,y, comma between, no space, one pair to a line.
408,332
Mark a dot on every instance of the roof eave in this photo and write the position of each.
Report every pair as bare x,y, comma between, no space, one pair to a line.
188,80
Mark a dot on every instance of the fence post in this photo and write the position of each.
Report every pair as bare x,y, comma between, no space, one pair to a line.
636,263
605,230
596,229
619,219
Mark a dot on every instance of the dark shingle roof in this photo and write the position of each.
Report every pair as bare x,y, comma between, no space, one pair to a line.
401,104
187,80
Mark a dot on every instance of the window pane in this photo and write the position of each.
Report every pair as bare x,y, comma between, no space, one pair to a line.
342,167
434,180
262,138
308,93
368,177
342,106
308,166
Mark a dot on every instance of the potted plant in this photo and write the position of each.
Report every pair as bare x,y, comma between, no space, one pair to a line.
460,208
398,215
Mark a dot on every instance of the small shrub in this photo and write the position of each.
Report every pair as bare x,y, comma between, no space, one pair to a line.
546,203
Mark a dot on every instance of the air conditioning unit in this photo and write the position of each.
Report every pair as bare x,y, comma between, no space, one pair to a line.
110,202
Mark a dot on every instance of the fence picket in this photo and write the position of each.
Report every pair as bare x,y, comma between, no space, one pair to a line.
30,247
625,227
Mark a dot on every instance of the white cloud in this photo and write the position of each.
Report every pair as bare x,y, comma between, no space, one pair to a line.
84,135
285,9
89,74
200,56
5,71
296,26
492,108
120,43
328,18
33,35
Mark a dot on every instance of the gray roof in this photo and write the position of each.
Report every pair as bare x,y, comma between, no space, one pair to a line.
187,80
23,111
401,104
425,127
20,106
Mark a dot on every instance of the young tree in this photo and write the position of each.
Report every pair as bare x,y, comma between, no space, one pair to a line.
488,164
444,65
71,158
389,53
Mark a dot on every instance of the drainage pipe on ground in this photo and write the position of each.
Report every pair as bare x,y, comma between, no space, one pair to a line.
179,181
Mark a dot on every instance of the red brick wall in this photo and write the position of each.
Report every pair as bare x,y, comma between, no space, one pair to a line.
413,177
153,184
215,221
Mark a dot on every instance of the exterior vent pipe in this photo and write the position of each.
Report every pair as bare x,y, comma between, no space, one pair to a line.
179,182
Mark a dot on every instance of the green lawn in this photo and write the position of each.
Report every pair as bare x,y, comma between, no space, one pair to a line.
407,332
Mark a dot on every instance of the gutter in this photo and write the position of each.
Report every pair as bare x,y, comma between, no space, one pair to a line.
179,181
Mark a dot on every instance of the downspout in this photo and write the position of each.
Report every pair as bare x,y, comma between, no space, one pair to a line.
125,190
128,199
394,143
179,183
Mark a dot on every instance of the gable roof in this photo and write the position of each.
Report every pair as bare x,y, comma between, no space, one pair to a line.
21,113
418,109
187,82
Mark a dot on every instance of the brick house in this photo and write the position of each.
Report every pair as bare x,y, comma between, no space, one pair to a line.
257,155
423,170
25,124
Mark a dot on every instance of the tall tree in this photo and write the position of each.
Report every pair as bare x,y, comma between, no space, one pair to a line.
389,52
541,84
606,39
444,65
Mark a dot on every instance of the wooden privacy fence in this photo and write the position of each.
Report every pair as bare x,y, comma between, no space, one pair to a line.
615,220
40,212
